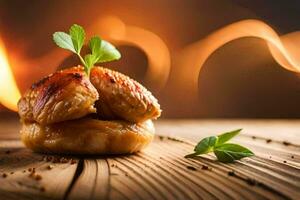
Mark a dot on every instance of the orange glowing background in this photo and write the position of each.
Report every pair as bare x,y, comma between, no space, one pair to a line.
9,92
200,58
157,52
283,49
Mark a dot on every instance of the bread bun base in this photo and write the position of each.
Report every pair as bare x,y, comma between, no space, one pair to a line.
88,136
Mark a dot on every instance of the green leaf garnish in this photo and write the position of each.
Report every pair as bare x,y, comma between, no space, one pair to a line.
229,152
101,50
63,40
225,152
77,34
95,46
89,60
206,145
227,136
108,52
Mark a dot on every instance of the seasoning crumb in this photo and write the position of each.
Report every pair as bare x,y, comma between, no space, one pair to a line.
113,165
231,173
4,175
286,143
174,139
49,167
270,157
284,161
7,151
24,171
126,174
253,137
251,181
42,189
204,167
12,172
64,160
292,157
191,168
30,169
268,140
73,161
161,137
38,177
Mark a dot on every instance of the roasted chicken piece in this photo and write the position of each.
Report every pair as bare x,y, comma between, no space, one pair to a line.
69,94
61,96
88,136
122,97
55,113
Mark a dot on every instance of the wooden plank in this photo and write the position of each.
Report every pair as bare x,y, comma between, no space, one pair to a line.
176,158
161,171
27,175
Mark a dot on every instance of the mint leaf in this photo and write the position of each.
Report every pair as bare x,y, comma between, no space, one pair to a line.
225,152
108,52
227,136
89,60
95,46
206,145
77,35
63,40
230,152
101,51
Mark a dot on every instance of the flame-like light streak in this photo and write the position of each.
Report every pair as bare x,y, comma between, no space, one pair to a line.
193,57
9,92
159,61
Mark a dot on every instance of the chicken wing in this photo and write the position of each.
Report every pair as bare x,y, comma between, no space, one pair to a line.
69,94
61,96
122,97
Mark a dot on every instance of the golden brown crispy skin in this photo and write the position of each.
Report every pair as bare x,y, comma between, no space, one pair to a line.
122,97
88,136
52,113
61,96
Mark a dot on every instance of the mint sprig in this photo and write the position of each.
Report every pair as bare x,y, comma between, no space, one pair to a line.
101,50
225,152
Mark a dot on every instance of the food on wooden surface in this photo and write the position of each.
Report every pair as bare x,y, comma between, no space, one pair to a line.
56,111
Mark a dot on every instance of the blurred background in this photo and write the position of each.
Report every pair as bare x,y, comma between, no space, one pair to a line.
239,79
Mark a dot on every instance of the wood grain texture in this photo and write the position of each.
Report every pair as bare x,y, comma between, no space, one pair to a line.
161,171
93,182
30,175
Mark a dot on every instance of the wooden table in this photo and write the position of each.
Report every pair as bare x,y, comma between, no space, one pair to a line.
160,171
